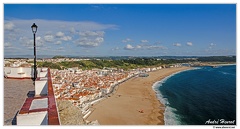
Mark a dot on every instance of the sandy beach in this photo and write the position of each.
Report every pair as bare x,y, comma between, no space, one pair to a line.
134,102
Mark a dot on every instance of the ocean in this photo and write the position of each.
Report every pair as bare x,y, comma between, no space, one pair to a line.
203,96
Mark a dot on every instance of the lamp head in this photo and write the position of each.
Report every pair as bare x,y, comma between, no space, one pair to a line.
34,28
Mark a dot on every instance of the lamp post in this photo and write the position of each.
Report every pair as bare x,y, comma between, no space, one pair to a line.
34,30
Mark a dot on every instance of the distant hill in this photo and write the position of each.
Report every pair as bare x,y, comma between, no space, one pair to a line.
57,57
217,59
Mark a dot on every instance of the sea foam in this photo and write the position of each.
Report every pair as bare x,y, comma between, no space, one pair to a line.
170,118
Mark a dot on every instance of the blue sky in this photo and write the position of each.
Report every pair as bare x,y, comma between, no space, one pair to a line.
121,29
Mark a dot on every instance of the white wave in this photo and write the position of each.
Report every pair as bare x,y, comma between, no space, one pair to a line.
170,117
226,73
226,65
198,68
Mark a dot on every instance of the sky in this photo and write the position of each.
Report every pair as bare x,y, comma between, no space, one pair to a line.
121,29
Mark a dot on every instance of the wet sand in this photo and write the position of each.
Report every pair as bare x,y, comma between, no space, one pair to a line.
134,102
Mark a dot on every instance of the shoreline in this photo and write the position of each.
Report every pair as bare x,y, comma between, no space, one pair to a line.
156,86
135,102
219,64
226,64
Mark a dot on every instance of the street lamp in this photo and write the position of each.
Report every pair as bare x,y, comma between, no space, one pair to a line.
34,30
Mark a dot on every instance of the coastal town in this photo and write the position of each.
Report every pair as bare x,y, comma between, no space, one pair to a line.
84,88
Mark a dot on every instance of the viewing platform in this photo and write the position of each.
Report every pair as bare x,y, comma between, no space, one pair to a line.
15,93
40,107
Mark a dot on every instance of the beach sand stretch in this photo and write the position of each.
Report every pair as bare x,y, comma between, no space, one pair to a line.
134,102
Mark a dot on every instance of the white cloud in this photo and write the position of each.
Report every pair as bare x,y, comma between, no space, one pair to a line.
89,42
38,38
144,41
92,33
129,47
60,49
58,42
143,47
7,45
45,25
126,40
138,47
189,43
99,39
43,49
212,44
39,42
66,38
49,38
19,33
10,37
116,48
59,34
151,47
72,30
23,39
9,26
177,44
28,43
62,36
90,38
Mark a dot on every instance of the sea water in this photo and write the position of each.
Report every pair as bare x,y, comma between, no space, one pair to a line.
205,95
